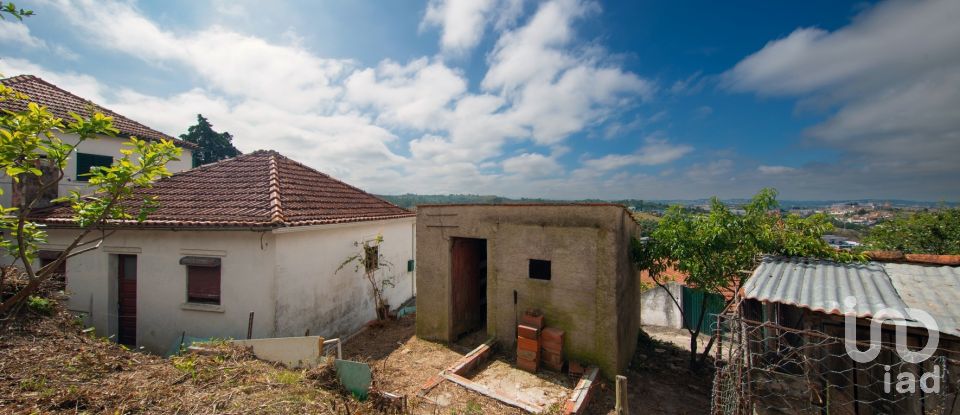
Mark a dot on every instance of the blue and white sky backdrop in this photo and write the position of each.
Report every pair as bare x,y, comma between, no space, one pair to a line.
562,98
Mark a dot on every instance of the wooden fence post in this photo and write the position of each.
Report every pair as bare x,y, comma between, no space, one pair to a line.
622,400
250,326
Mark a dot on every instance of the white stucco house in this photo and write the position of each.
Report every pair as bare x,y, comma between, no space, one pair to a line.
98,152
256,233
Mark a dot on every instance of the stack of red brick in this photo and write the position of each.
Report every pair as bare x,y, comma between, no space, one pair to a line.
538,344
528,341
551,349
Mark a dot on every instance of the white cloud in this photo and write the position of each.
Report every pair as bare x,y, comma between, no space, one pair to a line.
653,152
17,33
399,126
891,82
462,22
83,85
416,95
240,65
567,89
532,165
764,169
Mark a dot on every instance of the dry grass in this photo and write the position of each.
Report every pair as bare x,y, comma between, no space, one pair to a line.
47,365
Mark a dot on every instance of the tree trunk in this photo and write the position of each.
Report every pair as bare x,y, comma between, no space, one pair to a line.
696,334
19,296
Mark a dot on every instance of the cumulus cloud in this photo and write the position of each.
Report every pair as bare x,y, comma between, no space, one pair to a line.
461,22
416,95
532,165
236,64
413,126
892,81
567,89
653,152
17,33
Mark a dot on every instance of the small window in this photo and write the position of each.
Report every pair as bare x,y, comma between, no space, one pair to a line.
539,269
86,162
203,284
371,257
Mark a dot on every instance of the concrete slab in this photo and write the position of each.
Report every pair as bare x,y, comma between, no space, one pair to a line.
293,352
517,384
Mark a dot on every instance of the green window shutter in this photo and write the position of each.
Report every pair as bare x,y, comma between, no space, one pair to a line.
87,161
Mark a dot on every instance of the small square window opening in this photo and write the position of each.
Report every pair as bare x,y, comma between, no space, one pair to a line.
540,269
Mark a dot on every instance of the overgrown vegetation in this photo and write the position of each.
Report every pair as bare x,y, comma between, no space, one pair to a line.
50,366
936,232
718,250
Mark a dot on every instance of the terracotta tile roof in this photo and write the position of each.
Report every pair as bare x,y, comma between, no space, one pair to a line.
61,102
262,189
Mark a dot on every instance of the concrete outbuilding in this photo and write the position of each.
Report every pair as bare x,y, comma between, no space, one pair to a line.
479,267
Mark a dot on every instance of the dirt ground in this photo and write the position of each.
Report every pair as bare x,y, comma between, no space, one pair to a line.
658,379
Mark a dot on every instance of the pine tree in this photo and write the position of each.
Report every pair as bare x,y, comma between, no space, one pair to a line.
214,146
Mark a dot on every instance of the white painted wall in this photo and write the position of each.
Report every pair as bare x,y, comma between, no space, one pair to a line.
162,316
658,309
312,295
104,146
286,277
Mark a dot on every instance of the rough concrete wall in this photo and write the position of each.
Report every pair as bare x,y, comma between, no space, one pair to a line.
585,247
312,294
628,293
162,315
578,299
658,309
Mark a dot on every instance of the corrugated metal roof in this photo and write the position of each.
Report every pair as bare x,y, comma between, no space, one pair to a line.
934,289
824,286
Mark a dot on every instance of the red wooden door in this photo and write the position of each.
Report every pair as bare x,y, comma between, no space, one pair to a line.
127,300
468,288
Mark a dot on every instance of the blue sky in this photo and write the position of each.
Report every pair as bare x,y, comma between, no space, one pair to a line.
560,98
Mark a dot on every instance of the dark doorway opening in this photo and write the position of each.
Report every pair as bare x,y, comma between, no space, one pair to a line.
127,300
468,286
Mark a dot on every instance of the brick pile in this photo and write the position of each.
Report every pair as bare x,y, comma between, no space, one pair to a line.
551,349
528,341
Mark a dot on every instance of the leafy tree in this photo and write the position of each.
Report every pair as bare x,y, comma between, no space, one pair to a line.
718,250
29,140
8,8
936,232
214,146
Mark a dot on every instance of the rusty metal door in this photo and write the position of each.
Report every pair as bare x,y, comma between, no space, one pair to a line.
468,285
127,300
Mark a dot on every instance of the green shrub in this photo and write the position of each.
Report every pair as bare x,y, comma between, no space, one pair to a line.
40,305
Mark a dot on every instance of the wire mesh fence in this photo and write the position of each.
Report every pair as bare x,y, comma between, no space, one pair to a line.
767,368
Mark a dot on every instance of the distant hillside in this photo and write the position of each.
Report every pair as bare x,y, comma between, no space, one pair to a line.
410,201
